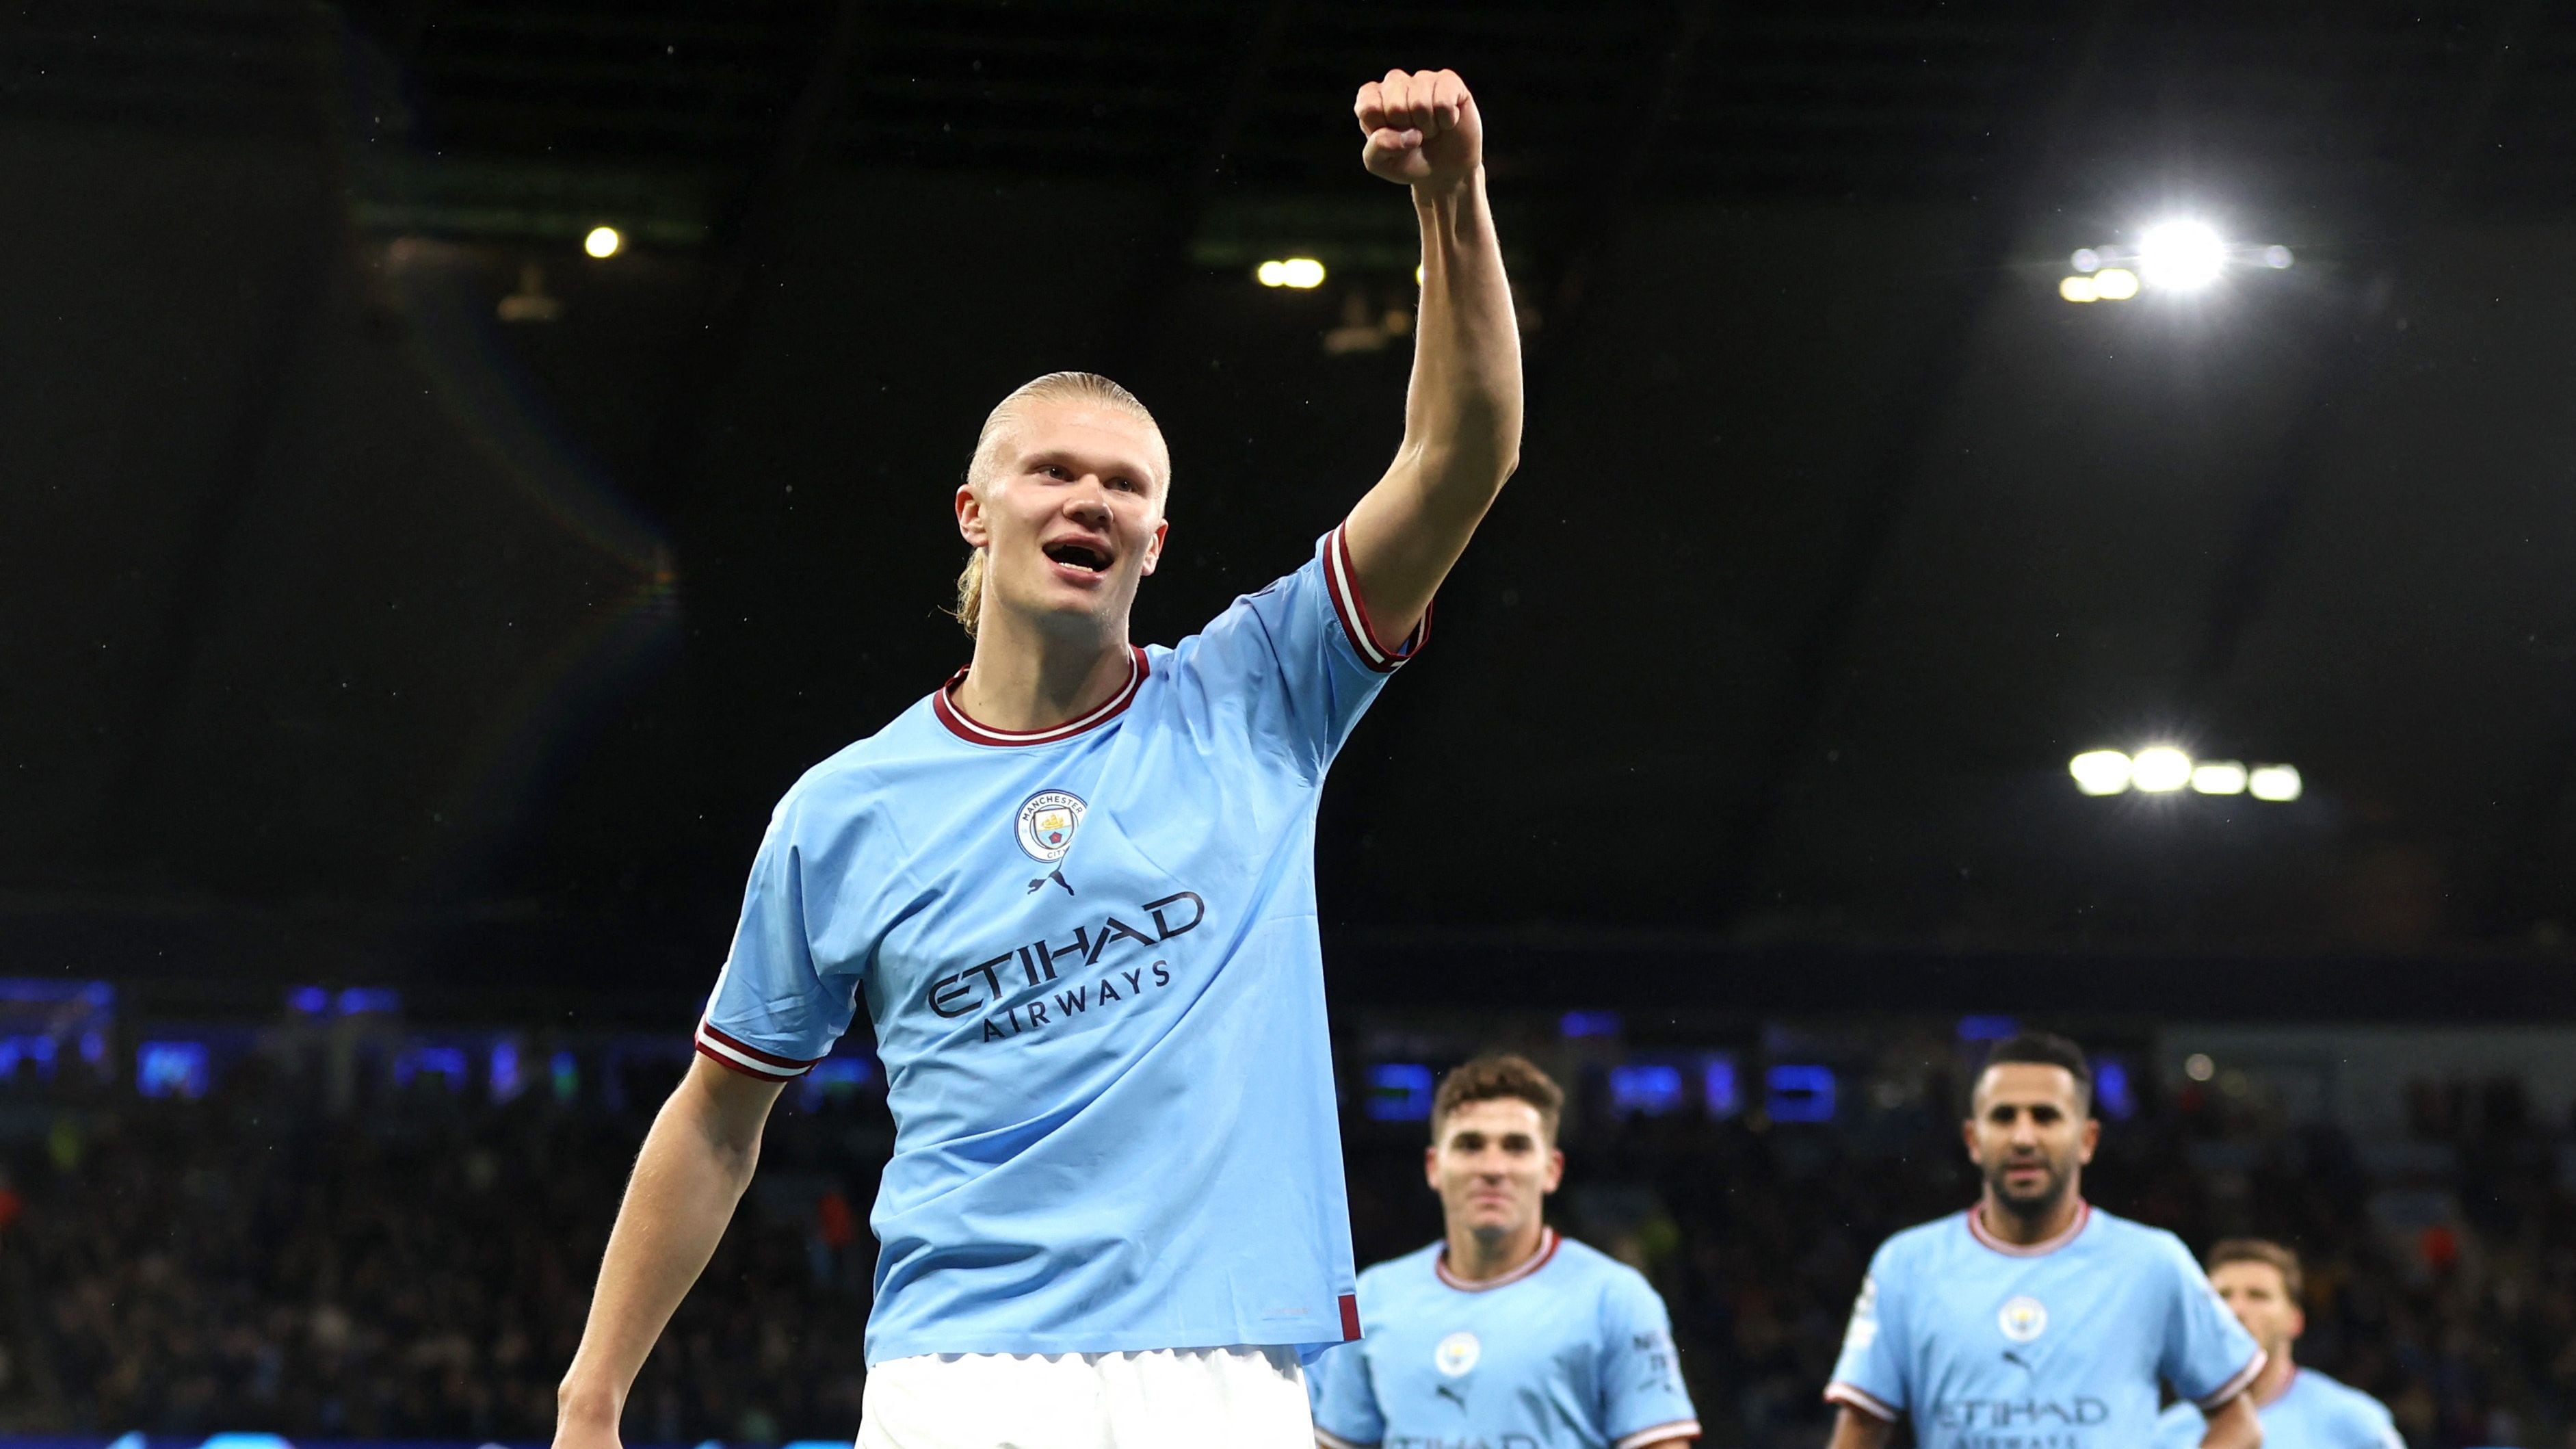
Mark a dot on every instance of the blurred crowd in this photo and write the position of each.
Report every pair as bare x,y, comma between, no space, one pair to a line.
420,1268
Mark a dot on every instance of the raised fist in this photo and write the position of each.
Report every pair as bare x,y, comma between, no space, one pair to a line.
1421,127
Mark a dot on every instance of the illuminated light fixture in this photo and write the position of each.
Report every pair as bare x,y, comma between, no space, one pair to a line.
2218,777
2086,260
2079,289
2115,284
603,242
2159,769
2181,255
1301,273
2278,783
2277,258
2100,772
2199,1067
1417,274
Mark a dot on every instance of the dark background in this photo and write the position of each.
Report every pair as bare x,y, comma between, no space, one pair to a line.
349,632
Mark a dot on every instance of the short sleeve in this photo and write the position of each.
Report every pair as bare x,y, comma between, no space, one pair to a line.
772,1014
1300,657
1343,1395
1870,1374
1642,1398
2373,1427
2180,1426
2208,1356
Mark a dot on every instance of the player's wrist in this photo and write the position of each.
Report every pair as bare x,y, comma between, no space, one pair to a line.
1440,193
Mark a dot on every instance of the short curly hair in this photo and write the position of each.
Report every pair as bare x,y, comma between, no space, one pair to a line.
1497,1077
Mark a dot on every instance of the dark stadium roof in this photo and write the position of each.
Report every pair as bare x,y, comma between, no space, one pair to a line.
350,628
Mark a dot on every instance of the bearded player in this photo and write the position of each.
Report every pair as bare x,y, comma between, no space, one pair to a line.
1074,890
2300,1408
2033,1318
1503,1333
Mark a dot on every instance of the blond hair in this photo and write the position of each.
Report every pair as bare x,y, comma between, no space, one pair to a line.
1060,387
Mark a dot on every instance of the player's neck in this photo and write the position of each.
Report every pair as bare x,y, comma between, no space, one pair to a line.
1470,1260
2274,1380
1024,677
2011,1227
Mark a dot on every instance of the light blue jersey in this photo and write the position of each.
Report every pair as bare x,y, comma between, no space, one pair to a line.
1571,1350
2314,1412
1091,958
2059,1345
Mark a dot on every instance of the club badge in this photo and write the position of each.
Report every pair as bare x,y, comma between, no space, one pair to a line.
1457,1353
1047,822
2023,1319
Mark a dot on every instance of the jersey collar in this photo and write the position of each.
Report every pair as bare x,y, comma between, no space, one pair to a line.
1977,1230
965,727
1536,1261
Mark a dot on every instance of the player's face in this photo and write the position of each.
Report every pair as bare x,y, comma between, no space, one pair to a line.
2261,1301
2031,1135
1493,1166
1071,516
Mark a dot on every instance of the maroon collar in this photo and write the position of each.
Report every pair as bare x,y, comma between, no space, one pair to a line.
1546,1250
966,728
1977,1230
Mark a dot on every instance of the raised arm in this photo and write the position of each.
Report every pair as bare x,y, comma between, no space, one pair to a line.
1462,416
695,1163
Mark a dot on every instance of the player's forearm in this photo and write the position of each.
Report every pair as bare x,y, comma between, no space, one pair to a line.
1462,417
2234,1425
1856,1430
688,1179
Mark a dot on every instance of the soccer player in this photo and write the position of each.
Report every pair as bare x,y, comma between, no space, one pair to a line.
1502,1333
2299,1407
2034,1320
1073,888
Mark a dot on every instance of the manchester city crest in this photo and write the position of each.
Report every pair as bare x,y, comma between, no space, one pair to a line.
1457,1353
1046,824
2023,1319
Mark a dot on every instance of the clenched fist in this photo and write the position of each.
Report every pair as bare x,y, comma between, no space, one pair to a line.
1422,128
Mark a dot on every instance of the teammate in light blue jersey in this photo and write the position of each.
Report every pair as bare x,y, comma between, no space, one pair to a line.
1073,891
1502,1335
2300,1408
2034,1320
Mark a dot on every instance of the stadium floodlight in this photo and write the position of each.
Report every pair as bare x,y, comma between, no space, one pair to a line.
2279,783
2100,772
2115,284
603,242
2218,777
2079,289
1301,273
2159,769
2181,255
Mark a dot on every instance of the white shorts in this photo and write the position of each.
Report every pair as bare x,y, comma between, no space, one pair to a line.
1240,1398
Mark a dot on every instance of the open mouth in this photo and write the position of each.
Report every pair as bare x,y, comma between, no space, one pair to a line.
1078,556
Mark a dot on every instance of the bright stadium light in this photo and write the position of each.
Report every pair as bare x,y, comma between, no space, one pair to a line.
2181,255
2086,260
2159,769
1301,273
2115,284
2100,772
2218,777
2277,258
2079,289
2279,783
603,242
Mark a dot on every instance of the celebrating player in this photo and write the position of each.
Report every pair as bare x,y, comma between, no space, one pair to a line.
1074,888
2034,1317
1502,1332
2299,1407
